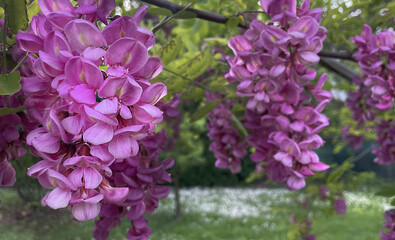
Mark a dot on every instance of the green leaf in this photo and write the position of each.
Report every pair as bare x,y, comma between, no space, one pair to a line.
393,202
9,83
386,191
33,9
197,65
160,11
186,15
239,126
16,12
6,111
170,51
338,172
196,1
203,111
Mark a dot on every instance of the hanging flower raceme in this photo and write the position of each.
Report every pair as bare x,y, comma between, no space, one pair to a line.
376,57
10,142
375,93
385,148
389,215
270,65
91,120
227,145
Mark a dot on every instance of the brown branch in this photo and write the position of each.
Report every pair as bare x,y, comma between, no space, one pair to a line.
340,55
339,68
174,8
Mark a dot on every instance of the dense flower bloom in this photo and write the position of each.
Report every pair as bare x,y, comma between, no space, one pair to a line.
376,57
340,206
227,145
10,142
385,148
389,224
376,92
270,65
94,129
353,140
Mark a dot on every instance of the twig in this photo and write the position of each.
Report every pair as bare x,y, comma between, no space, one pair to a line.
20,62
5,42
361,155
190,80
339,68
340,55
167,19
174,8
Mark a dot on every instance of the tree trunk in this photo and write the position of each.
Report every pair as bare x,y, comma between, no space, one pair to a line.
177,196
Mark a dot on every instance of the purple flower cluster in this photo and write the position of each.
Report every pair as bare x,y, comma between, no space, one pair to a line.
376,91
10,142
270,65
353,140
376,57
340,206
385,150
90,94
140,174
390,225
227,145
361,104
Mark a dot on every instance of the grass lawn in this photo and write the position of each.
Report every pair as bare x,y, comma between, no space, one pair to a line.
218,213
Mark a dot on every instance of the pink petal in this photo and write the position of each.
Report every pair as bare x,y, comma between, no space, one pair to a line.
127,52
58,198
76,177
48,6
319,166
80,70
92,178
85,211
82,94
295,183
83,34
99,116
107,106
121,146
147,113
99,133
154,93
73,124
114,195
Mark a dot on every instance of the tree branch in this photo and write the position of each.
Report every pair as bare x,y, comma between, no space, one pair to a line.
340,55
339,68
174,8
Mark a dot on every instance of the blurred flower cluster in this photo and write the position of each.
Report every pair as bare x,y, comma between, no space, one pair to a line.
92,113
271,68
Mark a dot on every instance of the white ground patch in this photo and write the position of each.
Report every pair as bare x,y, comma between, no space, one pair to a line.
250,202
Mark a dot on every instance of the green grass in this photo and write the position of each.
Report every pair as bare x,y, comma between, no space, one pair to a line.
269,220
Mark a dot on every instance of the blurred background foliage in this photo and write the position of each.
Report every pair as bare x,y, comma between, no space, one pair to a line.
193,52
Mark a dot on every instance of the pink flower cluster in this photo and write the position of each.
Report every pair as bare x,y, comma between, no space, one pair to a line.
140,174
228,146
90,93
10,142
376,91
385,150
390,225
271,66
376,57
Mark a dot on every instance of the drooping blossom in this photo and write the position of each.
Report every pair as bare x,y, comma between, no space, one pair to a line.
92,124
340,206
385,148
376,92
389,216
228,145
271,68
